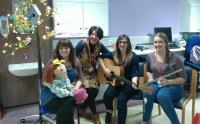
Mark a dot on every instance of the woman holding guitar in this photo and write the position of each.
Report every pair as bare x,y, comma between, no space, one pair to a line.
129,62
166,89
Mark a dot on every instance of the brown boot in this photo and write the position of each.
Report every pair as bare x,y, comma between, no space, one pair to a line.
83,113
96,119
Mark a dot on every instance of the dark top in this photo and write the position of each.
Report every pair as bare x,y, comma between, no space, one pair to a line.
81,44
131,68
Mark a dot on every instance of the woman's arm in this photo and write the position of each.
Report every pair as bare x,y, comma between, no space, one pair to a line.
101,62
148,72
181,77
79,73
79,47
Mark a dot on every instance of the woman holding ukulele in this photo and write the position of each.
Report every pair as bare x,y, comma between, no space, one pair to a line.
165,89
128,60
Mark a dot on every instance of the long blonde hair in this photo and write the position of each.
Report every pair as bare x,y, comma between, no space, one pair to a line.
117,54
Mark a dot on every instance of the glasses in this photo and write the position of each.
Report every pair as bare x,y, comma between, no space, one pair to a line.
124,42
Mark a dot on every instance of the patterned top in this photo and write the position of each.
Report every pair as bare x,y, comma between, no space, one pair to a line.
88,56
61,86
175,63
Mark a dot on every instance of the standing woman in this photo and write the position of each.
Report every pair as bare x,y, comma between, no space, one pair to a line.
88,53
128,60
165,90
63,107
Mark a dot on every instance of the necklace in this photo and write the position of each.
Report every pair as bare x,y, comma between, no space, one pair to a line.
159,66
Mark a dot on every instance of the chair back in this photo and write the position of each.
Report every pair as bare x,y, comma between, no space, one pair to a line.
192,41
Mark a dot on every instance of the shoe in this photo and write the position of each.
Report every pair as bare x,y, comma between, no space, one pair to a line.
96,119
108,119
84,114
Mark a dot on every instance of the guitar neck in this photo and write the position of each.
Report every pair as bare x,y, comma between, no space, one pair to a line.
143,88
170,74
121,79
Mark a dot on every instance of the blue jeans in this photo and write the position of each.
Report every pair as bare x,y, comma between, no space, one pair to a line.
123,93
165,96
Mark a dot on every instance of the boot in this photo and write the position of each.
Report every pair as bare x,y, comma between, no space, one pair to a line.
108,119
96,119
83,113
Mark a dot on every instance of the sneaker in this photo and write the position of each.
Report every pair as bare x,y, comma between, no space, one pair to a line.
84,114
108,119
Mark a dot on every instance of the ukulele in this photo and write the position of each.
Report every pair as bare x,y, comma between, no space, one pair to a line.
116,76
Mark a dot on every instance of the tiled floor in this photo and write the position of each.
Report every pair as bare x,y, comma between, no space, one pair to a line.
134,115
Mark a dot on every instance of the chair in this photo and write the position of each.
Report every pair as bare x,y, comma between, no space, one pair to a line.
42,116
189,93
192,41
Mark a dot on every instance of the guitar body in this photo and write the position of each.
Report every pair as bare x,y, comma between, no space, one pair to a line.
117,73
118,70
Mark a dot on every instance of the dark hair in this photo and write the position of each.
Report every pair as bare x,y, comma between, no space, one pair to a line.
65,43
98,30
164,37
117,54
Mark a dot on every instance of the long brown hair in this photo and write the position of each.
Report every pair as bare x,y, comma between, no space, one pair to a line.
164,37
117,54
65,43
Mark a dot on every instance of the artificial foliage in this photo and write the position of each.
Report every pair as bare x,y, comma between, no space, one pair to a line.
19,25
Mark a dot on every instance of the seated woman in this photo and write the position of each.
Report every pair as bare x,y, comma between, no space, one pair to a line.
63,107
128,60
165,89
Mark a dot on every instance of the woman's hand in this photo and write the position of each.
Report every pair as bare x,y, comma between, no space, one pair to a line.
107,72
134,85
134,82
150,80
163,81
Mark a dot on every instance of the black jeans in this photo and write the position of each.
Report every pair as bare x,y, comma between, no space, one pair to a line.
64,109
90,101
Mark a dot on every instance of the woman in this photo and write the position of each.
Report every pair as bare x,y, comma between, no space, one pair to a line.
88,52
128,60
63,107
159,63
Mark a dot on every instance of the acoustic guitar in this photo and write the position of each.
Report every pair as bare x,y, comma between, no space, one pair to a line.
116,76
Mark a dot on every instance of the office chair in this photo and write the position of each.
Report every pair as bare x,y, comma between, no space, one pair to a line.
44,115
192,41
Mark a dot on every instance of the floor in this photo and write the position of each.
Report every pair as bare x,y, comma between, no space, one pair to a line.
134,115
